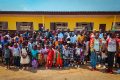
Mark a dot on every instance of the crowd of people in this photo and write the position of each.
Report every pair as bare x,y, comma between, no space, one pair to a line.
61,49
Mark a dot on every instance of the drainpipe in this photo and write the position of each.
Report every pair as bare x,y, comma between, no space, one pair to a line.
113,27
43,21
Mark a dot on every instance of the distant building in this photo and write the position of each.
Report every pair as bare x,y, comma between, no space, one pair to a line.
34,20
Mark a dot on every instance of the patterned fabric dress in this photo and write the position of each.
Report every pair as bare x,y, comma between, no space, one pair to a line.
59,61
50,58
40,58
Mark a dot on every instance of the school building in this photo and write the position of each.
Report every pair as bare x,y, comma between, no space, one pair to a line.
52,20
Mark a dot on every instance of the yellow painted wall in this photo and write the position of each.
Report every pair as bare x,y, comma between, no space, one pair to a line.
13,19
47,19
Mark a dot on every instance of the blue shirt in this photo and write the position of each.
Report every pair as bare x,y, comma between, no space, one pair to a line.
7,53
60,35
101,35
30,47
4,42
34,54
73,39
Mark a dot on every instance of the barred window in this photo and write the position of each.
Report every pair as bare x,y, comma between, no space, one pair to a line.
3,25
24,26
84,26
58,25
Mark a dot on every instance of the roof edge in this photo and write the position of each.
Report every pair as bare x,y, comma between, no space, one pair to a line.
63,12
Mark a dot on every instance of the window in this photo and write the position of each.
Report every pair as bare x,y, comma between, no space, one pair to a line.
3,25
24,26
84,26
59,25
116,25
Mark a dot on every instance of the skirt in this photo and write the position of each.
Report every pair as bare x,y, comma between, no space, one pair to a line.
34,63
40,59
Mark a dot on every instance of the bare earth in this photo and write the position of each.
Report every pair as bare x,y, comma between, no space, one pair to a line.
82,73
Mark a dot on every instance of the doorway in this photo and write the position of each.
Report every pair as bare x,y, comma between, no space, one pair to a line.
102,27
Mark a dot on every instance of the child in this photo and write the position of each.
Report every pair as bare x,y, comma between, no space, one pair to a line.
104,58
66,52
104,50
16,55
56,43
71,58
34,57
11,49
16,38
7,53
40,56
50,58
59,61
24,57
81,55
87,48
77,56
0,48
45,52
34,64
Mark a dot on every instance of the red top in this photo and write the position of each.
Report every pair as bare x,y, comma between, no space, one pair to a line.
50,55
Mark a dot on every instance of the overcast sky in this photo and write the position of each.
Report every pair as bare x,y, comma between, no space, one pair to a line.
60,5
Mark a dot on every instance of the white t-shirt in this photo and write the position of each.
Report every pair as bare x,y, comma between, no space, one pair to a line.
24,50
77,51
66,52
16,52
112,45
96,44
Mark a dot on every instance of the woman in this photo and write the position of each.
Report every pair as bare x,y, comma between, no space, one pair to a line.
112,49
94,48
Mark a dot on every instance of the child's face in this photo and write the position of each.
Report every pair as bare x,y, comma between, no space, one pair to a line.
105,36
23,46
6,46
35,48
38,48
15,46
97,36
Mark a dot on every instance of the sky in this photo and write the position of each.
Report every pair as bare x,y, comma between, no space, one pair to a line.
59,5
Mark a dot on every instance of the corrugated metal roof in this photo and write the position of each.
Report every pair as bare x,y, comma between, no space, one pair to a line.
62,12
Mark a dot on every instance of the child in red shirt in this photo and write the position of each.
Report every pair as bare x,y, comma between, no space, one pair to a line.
50,58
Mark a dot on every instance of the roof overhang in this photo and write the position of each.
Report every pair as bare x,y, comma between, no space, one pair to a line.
61,12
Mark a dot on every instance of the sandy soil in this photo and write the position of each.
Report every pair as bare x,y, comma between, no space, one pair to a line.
82,73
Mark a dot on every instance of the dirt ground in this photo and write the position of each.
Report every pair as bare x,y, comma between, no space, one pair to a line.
82,73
